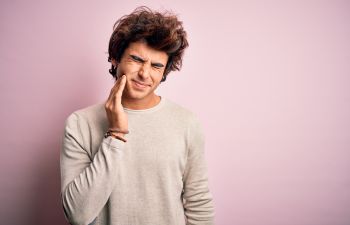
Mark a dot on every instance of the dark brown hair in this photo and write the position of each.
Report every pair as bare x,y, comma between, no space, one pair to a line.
161,31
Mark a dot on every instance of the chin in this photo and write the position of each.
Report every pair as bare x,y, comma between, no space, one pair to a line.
134,94
138,96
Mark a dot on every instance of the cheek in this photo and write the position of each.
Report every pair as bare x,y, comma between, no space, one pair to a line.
119,71
157,79
126,67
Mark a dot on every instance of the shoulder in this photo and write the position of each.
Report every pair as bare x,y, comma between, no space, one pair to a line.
181,112
185,116
194,133
90,114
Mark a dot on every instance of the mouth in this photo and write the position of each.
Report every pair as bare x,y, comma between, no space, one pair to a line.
140,85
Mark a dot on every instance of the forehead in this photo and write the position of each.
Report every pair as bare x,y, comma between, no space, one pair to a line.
143,50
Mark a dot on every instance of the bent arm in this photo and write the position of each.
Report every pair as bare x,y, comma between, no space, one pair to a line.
86,183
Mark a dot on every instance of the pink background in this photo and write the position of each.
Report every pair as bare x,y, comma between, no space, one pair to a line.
268,79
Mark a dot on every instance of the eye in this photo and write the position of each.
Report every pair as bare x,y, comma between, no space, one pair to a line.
135,58
156,66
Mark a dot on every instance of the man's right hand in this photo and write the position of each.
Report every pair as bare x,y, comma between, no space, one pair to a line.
116,115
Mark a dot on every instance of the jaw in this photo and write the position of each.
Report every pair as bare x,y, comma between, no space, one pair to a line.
131,93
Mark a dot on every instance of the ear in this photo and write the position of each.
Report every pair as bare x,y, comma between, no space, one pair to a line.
115,63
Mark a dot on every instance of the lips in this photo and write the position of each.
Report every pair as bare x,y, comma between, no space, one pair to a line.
140,85
144,84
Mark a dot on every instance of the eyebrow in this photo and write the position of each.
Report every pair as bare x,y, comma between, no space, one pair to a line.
157,64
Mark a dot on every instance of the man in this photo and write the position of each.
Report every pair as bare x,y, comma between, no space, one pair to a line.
138,158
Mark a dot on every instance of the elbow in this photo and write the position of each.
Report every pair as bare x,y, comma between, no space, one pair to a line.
80,221
76,218
73,213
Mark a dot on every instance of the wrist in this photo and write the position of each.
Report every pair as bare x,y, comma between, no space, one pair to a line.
117,130
118,137
118,134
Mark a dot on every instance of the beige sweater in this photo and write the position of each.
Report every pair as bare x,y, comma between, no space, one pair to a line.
158,177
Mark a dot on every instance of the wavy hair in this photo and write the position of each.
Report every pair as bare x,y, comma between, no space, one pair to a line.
161,31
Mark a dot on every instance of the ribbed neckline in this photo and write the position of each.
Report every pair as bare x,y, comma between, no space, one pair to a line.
149,110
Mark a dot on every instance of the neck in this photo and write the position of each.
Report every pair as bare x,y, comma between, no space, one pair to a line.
138,104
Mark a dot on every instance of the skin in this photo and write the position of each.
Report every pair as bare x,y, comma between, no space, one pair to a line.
139,63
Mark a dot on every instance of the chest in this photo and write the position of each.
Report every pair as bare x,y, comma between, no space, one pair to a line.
156,148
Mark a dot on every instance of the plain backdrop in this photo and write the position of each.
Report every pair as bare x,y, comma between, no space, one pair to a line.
269,81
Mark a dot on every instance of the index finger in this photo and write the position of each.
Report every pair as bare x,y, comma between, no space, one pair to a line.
114,88
119,91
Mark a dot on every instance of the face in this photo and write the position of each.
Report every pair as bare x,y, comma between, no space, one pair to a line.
144,68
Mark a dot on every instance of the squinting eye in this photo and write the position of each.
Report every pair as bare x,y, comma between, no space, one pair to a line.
136,58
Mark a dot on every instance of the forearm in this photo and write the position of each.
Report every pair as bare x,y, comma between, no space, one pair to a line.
198,203
85,195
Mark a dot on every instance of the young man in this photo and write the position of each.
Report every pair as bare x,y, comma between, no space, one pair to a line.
138,158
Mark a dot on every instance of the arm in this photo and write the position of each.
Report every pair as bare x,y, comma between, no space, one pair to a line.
198,201
86,183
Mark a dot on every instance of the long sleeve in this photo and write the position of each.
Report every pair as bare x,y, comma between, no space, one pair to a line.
198,201
86,182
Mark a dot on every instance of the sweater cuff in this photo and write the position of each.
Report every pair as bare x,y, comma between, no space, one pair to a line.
114,143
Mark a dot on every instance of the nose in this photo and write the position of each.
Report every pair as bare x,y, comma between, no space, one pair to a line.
144,71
